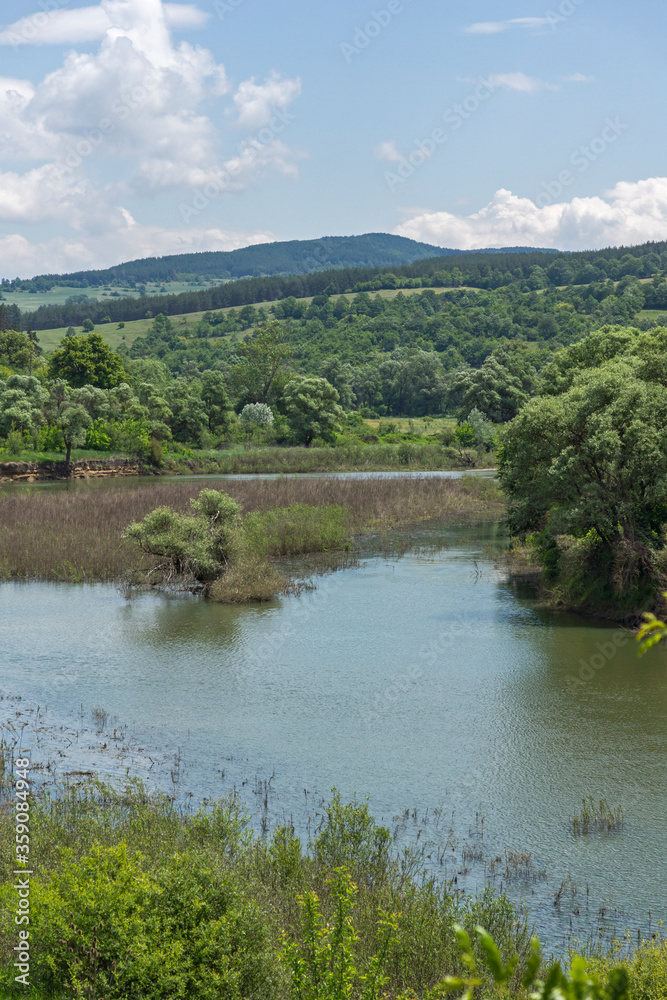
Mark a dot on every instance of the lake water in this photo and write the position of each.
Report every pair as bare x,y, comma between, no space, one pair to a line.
426,682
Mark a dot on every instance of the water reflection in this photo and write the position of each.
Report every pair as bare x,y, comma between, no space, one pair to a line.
425,681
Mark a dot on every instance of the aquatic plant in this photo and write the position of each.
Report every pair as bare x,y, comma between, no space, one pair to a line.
77,535
597,817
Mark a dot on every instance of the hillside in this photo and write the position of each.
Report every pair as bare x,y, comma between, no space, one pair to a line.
263,259
523,272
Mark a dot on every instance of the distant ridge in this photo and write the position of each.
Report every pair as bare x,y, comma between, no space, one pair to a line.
268,259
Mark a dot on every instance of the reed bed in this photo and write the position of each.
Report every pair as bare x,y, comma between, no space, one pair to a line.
364,457
77,535
597,817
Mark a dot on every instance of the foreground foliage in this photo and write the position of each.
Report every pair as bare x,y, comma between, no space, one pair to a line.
133,898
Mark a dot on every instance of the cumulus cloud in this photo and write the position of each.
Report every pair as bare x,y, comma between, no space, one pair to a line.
86,24
521,82
389,151
135,105
22,258
631,212
496,27
256,102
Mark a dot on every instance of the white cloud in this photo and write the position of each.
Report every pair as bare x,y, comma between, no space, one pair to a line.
256,102
521,82
87,24
578,78
134,105
389,151
39,195
496,27
22,258
631,212
181,15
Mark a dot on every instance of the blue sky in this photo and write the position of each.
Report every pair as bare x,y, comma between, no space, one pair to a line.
136,127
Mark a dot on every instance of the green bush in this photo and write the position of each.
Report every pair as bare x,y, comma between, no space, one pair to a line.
197,546
195,907
107,925
290,531
646,968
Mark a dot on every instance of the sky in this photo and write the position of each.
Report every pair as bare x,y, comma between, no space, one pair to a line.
134,128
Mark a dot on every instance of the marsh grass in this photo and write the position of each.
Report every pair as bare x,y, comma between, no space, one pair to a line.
343,458
597,817
645,962
251,579
198,859
76,535
295,530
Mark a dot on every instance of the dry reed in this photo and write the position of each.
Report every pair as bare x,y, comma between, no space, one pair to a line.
77,535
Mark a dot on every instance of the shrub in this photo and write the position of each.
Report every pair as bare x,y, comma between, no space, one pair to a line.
250,579
646,969
197,547
256,415
108,925
291,531
482,429
97,437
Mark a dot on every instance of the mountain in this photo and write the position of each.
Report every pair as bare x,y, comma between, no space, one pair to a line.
265,259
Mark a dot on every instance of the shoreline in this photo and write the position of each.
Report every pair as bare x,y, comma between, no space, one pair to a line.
68,756
227,465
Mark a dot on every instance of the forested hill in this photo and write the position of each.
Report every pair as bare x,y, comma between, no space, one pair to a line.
593,272
293,257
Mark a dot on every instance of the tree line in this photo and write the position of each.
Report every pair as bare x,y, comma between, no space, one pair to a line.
524,272
87,396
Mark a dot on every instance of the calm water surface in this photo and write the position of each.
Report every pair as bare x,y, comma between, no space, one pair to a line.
425,682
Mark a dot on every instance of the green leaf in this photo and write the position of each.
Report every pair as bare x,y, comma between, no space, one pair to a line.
533,964
493,959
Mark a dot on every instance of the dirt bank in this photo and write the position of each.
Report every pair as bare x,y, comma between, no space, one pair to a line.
30,472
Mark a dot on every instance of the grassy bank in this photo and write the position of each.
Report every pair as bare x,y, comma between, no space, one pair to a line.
77,535
357,457
411,454
157,904
580,576
131,897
